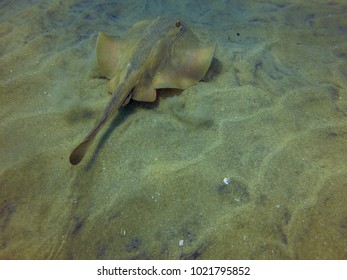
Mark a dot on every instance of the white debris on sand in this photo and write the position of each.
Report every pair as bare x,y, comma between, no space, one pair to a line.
226,181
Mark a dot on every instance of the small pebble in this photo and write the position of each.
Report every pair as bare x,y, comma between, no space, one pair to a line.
181,243
226,181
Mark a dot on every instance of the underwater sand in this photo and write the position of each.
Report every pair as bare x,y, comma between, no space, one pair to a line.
273,119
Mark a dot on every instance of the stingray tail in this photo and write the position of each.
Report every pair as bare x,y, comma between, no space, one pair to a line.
78,153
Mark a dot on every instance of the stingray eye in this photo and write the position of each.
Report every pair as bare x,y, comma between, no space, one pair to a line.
178,24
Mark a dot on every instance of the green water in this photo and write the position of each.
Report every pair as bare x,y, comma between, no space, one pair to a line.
272,119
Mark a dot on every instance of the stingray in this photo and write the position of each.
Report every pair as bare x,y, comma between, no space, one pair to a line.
154,54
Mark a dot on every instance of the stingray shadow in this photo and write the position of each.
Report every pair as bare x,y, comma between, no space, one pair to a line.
124,112
121,116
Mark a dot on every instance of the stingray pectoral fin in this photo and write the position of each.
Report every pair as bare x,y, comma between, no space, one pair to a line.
199,62
112,84
186,68
107,54
144,92
78,153
140,25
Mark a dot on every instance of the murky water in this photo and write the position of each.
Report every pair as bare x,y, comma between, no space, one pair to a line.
271,117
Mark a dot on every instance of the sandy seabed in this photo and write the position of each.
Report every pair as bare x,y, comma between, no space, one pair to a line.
272,117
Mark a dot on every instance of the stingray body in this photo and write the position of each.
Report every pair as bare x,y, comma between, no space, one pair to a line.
162,53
